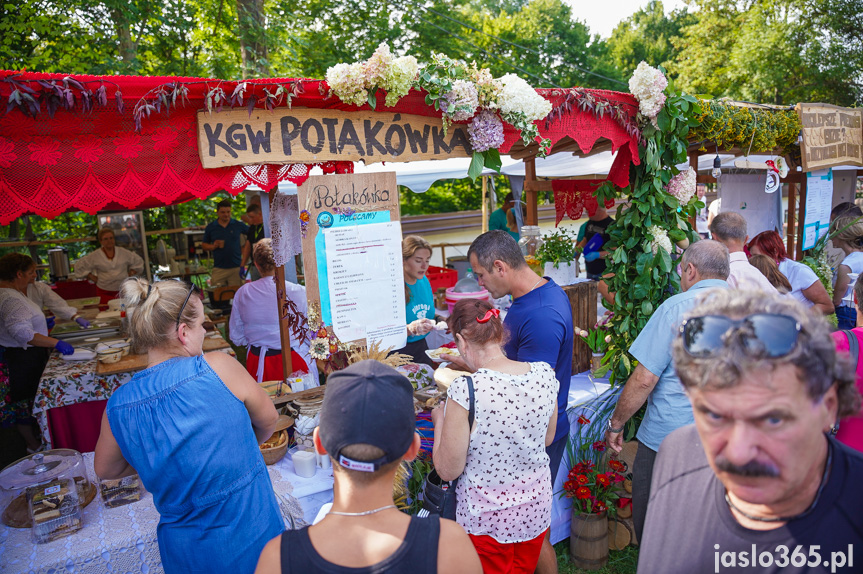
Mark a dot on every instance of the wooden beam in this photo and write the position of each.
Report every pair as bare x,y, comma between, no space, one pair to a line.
284,333
693,163
790,231
801,218
792,178
86,239
484,204
530,195
541,185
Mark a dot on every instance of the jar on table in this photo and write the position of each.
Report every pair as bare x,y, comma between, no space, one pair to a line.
531,240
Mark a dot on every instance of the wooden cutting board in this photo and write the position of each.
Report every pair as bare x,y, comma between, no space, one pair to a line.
128,363
214,344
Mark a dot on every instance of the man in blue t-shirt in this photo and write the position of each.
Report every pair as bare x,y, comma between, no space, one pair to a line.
539,325
704,266
222,237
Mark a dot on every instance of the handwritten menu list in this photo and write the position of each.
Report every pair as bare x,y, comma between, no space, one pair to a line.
366,285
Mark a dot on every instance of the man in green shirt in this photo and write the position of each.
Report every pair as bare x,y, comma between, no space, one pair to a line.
497,219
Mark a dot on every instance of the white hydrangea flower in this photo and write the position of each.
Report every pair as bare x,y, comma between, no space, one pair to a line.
682,186
399,78
348,83
647,84
376,67
518,97
462,101
660,239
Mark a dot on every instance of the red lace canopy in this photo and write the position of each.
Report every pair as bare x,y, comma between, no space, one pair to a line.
95,160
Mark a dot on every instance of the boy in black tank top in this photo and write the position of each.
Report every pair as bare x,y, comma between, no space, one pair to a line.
367,426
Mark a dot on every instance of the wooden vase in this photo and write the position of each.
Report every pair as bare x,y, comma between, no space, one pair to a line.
588,542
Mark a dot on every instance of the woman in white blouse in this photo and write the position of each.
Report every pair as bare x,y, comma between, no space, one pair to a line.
108,266
504,492
805,285
255,323
24,346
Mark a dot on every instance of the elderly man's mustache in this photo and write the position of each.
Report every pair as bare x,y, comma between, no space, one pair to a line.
752,469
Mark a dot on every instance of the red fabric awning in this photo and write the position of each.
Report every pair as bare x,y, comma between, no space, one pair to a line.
91,161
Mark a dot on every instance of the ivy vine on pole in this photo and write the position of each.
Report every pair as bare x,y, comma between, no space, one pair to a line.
643,260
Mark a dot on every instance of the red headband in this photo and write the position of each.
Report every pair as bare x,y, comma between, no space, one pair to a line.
488,315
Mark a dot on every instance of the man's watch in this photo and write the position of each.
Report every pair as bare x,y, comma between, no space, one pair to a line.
612,429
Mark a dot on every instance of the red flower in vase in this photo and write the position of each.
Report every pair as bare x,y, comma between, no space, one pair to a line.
615,477
581,479
599,506
582,420
582,492
599,446
602,479
583,466
616,465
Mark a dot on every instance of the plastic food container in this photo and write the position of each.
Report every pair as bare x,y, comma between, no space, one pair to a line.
120,491
109,356
46,492
452,297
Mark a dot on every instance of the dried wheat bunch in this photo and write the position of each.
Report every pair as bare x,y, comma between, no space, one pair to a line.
374,352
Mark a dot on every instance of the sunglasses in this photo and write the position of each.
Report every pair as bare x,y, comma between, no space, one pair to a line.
761,334
192,289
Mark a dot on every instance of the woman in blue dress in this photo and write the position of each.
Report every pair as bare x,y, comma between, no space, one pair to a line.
190,425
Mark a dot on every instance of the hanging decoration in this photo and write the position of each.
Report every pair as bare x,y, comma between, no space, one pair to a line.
573,196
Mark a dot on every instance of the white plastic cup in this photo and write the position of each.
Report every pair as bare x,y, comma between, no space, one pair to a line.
305,463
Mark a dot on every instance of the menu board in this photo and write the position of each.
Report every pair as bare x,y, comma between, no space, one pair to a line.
366,284
352,256
819,201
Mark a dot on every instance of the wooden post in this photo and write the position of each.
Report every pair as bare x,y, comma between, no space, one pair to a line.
530,192
582,299
284,334
484,203
790,232
693,163
801,217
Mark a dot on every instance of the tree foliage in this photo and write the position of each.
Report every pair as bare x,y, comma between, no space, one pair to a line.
772,51
648,36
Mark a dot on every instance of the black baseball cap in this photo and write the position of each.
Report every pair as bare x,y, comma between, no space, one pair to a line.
367,403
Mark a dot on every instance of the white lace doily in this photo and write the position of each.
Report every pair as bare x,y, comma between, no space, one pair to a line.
121,539
285,228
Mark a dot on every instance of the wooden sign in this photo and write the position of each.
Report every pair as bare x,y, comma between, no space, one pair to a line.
343,204
304,135
831,136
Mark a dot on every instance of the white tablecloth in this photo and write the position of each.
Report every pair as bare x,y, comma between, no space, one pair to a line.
585,394
123,539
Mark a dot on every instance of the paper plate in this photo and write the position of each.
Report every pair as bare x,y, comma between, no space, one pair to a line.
434,354
80,355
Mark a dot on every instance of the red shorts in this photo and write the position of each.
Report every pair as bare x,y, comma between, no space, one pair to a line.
273,366
514,557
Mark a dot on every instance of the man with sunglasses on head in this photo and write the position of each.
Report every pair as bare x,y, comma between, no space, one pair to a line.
758,483
704,267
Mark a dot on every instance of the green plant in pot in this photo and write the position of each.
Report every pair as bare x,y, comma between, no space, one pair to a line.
557,247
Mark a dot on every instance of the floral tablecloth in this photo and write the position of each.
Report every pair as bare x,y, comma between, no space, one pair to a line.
121,539
69,382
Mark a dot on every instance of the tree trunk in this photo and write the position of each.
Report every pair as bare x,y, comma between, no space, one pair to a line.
127,48
253,41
